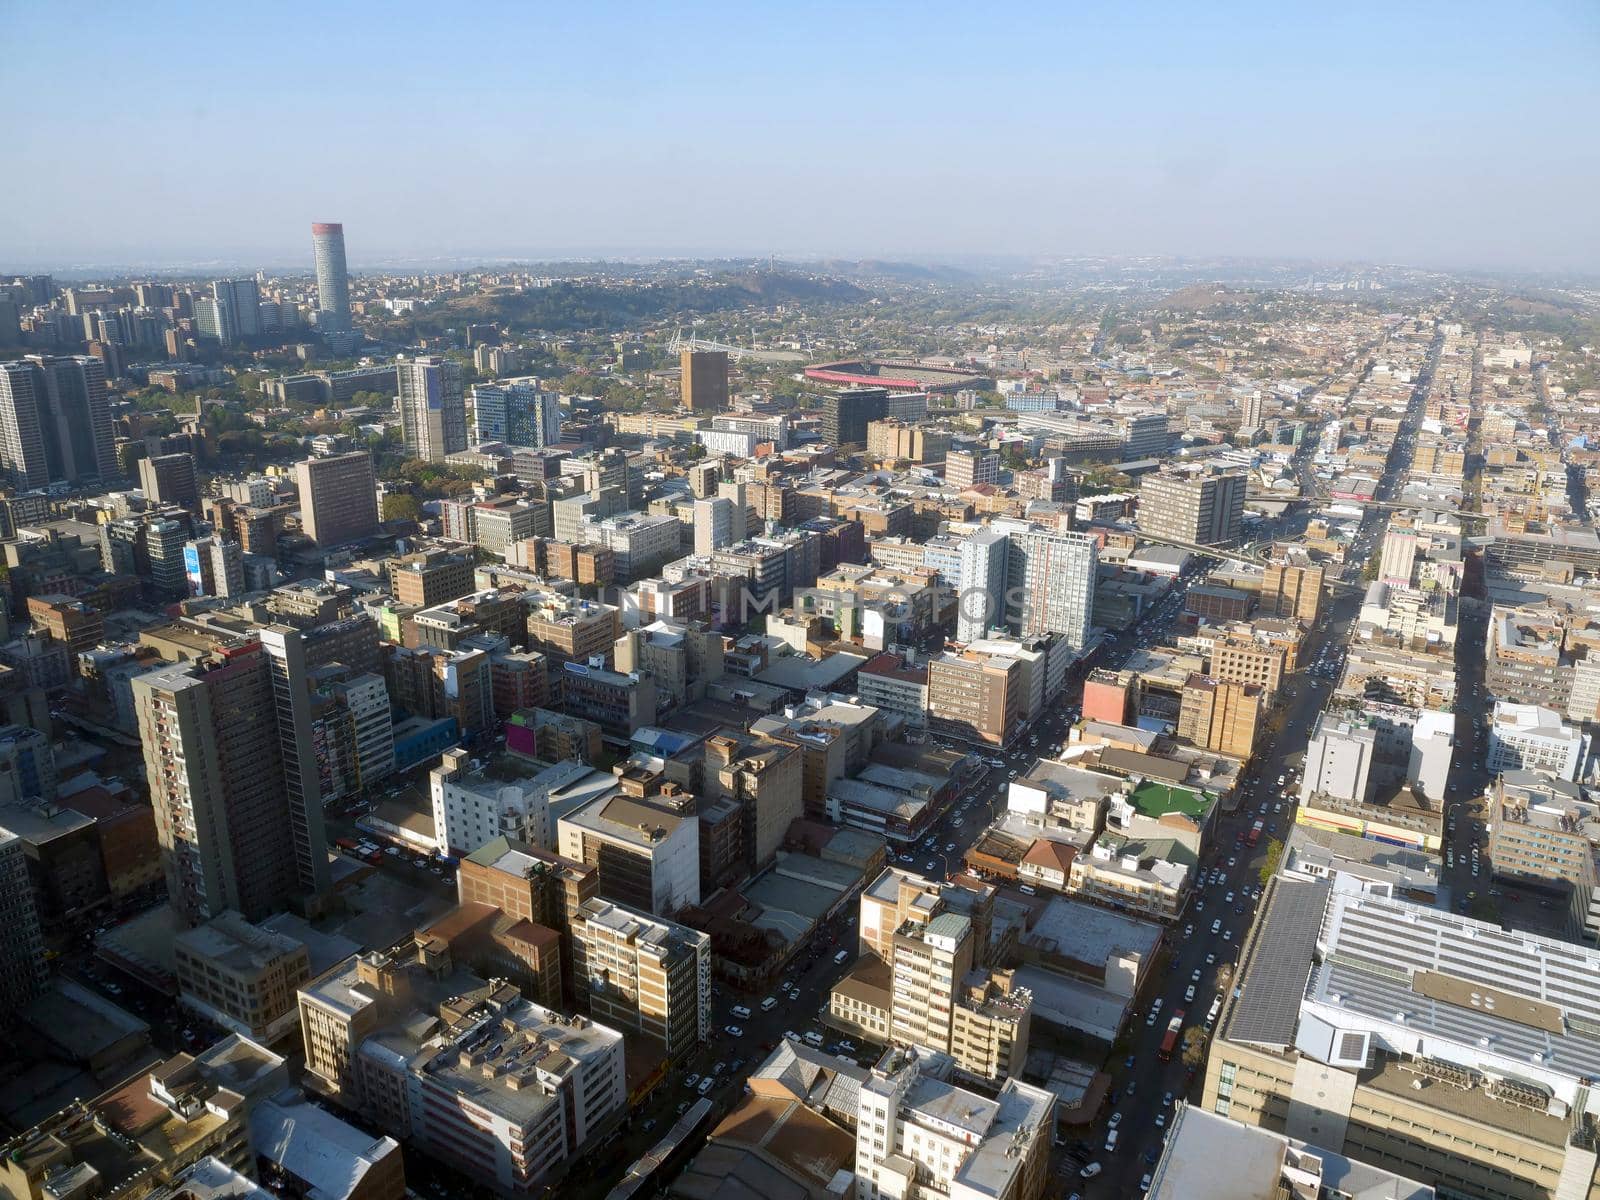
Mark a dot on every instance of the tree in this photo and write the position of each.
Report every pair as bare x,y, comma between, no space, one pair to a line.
1269,868
1194,1047
398,506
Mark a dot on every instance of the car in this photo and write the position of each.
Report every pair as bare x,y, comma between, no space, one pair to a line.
794,993
769,1004
1216,927
691,1081
1090,1170
1161,1123
949,847
1232,862
1128,1063
1166,1101
741,1012
1199,904
733,1031
1188,993
1195,976
1188,931
1228,899
706,1085
1227,935
1211,960
1116,1119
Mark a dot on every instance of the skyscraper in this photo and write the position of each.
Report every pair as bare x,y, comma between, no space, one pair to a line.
713,524
55,425
516,411
338,498
236,828
333,280
703,380
433,407
243,299
1051,579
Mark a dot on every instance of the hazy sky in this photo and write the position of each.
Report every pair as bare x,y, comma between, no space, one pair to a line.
1456,134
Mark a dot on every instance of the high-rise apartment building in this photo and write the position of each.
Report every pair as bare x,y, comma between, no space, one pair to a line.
1051,577
703,380
517,411
1204,508
981,596
55,424
1398,563
636,972
169,479
333,279
846,414
237,829
242,299
433,407
214,566
338,498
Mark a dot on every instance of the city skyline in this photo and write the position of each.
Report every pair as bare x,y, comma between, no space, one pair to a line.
712,133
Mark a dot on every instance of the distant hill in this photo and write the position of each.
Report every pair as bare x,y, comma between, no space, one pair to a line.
1200,296
571,306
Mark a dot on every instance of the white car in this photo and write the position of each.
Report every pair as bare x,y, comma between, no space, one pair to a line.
741,1012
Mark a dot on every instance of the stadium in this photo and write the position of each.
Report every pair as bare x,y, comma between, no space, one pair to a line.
896,374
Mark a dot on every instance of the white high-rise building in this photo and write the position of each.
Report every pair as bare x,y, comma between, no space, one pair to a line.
433,407
713,525
980,598
1051,579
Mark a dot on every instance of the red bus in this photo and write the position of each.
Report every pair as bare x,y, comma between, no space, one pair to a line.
1254,835
1170,1041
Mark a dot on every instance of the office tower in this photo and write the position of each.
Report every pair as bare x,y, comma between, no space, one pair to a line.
433,407
703,380
431,577
22,962
981,596
1291,585
55,424
213,319
1220,715
846,415
647,848
965,468
636,972
333,280
1203,508
164,548
214,566
169,479
338,498
974,696
1051,579
517,411
713,525
909,1148
236,830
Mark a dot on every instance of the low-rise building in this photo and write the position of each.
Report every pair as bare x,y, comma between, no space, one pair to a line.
241,976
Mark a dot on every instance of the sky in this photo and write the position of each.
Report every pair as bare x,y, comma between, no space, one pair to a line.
172,134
